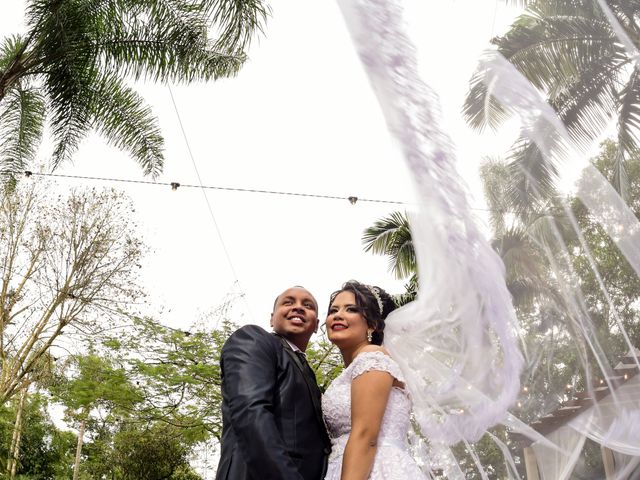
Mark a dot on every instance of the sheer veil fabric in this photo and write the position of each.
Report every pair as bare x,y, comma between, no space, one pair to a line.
457,342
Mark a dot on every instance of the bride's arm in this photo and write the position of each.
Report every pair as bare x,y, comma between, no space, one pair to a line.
369,396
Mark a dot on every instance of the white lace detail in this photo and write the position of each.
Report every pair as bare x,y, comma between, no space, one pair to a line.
379,361
393,460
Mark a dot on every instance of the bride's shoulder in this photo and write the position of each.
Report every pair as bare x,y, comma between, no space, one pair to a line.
375,357
372,353
375,348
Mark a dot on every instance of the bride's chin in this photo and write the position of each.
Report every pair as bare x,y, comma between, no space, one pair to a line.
341,343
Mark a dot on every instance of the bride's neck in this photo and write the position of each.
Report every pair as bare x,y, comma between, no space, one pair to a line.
349,353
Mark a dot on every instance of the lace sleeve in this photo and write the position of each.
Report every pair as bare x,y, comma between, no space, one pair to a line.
378,361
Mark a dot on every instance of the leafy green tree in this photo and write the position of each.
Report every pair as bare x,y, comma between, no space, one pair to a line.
553,342
154,452
184,472
132,450
325,360
73,62
98,384
46,453
569,50
178,373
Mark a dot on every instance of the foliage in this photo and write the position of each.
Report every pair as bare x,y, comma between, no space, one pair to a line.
178,373
152,387
69,264
154,452
569,50
532,243
45,452
184,472
73,62
325,360
391,236
97,383
134,450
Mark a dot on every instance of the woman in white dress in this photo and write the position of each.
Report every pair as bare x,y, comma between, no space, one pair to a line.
366,408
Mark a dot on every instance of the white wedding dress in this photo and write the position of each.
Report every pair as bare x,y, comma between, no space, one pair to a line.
392,460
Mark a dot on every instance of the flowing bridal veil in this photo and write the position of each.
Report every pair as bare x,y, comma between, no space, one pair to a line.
457,343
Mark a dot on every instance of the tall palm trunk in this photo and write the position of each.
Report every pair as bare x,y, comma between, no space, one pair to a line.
14,450
76,463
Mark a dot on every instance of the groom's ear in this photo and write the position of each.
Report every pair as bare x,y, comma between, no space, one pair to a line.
317,325
271,320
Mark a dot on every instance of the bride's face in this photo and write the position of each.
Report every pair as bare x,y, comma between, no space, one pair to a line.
345,324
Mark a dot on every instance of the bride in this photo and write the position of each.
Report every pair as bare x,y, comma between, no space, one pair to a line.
366,408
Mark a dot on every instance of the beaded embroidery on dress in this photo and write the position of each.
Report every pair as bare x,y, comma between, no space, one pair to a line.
393,460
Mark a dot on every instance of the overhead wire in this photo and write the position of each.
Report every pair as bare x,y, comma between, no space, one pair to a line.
213,217
175,186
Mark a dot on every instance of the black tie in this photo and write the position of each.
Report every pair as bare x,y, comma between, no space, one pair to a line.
305,364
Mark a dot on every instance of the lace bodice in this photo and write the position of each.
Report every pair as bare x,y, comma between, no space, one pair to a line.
336,402
392,461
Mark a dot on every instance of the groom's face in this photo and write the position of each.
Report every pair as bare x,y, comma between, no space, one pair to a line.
295,316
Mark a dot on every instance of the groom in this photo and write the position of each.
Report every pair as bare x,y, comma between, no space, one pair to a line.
271,415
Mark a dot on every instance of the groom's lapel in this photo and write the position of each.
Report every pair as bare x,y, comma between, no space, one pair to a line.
314,391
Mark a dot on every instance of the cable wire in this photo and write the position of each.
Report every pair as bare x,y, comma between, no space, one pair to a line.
175,185
213,217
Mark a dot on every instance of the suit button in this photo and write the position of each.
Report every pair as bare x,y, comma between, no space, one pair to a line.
327,450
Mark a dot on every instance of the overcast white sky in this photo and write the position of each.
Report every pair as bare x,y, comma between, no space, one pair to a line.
299,118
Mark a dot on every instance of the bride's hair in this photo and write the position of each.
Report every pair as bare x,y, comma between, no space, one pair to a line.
374,304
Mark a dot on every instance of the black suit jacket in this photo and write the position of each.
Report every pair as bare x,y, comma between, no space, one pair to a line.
272,421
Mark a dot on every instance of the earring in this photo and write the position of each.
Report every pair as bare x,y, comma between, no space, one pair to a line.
369,335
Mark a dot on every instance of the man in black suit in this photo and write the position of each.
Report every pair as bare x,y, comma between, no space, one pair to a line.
271,414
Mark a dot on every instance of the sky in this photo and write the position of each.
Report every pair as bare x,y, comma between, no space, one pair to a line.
300,117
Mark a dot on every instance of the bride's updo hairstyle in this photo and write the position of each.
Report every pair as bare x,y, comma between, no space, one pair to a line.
374,304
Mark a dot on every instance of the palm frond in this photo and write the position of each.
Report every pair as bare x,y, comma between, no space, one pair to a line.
177,48
586,105
10,49
141,53
410,292
391,236
22,115
628,128
495,181
12,62
551,51
559,8
533,177
237,21
70,70
546,228
525,276
70,117
518,3
481,109
626,12
620,179
124,119
515,250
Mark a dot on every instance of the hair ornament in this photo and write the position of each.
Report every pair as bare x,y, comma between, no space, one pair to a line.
375,291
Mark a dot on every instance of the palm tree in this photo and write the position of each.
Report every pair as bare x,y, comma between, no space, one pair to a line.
570,51
520,240
72,65
391,236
